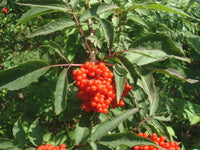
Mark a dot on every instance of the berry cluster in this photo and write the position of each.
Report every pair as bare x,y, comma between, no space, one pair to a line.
51,147
159,140
97,87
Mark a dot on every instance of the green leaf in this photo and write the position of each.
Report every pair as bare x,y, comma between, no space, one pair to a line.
56,47
22,75
128,139
51,4
194,42
97,146
82,131
108,31
129,66
167,9
35,133
30,148
111,124
137,19
60,102
173,73
158,41
7,143
120,76
47,137
74,3
95,11
148,85
19,133
57,25
34,12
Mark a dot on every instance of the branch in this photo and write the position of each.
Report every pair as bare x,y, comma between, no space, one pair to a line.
79,26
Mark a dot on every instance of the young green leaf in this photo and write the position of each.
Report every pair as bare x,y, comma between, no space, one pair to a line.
22,75
128,139
55,4
148,85
7,143
97,10
110,124
137,19
57,25
167,9
35,133
120,76
82,131
129,66
19,133
159,41
108,31
60,102
173,73
34,12
97,146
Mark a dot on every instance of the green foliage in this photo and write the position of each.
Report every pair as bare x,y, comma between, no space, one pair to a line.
152,45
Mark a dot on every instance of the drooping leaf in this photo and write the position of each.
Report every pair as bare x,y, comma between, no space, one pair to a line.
35,133
19,133
95,11
22,75
51,4
168,9
194,42
108,31
148,85
97,146
110,124
34,12
56,47
82,131
173,73
74,3
60,102
129,66
137,19
120,76
57,25
158,41
7,143
128,139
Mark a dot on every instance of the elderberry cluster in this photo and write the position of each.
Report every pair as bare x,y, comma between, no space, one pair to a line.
97,87
159,140
51,147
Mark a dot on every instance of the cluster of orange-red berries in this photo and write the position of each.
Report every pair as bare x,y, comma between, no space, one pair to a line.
97,87
51,147
161,141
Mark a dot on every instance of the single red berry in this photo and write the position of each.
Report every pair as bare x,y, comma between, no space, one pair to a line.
5,10
63,145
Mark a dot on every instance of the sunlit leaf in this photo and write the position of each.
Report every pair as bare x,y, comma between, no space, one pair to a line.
34,12
19,133
60,102
35,133
128,139
22,75
120,76
110,124
57,25
55,4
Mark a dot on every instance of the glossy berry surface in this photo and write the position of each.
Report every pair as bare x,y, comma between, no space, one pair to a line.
97,87
161,141
51,147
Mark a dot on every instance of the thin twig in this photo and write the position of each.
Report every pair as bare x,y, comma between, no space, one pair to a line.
141,122
80,28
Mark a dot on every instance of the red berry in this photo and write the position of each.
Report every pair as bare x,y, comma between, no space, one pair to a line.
5,10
